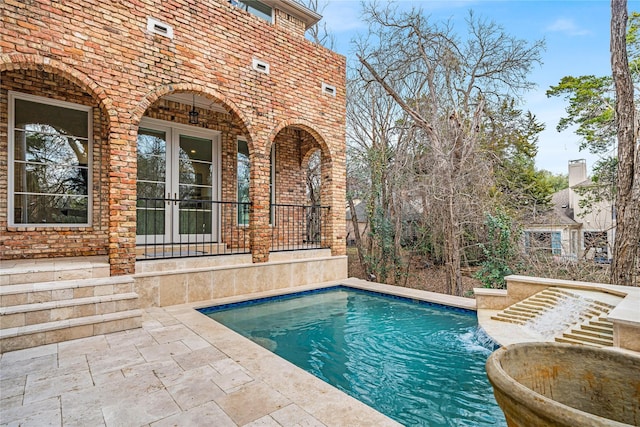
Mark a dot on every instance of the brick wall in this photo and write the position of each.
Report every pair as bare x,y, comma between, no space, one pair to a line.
290,23
103,51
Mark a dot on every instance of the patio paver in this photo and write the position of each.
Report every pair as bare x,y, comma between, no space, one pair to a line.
180,368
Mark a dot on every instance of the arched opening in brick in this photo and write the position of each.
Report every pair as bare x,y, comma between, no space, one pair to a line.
55,131
192,183
299,190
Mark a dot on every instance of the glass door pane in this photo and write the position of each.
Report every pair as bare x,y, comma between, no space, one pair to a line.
152,184
196,188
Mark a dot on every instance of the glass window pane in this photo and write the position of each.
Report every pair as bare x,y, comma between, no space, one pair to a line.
152,142
195,221
151,168
52,179
48,209
65,121
150,190
194,192
152,151
243,214
196,148
556,243
256,8
150,222
50,148
243,175
243,148
195,173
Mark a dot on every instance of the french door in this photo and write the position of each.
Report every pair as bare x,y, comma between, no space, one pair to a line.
177,183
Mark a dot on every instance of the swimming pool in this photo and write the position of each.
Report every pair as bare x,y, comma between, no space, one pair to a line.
418,363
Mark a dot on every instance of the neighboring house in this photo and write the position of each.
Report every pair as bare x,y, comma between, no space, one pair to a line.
139,131
570,230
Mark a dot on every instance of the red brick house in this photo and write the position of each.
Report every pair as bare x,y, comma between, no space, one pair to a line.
169,139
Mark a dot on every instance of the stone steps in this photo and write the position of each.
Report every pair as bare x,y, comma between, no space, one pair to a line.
590,327
68,329
29,314
586,332
537,304
34,313
600,334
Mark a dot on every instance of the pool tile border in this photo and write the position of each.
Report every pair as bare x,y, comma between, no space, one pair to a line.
294,294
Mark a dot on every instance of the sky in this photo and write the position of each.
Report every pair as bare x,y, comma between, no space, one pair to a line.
576,34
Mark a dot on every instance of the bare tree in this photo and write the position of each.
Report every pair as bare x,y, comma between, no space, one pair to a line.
444,85
314,178
319,33
375,151
627,240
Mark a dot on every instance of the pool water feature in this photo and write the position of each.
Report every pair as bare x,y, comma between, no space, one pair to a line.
418,363
568,311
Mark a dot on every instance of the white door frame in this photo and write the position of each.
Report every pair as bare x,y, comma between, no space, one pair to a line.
173,131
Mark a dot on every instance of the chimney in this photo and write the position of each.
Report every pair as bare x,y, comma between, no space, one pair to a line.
577,172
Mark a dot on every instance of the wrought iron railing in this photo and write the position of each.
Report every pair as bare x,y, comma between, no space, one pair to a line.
178,228
296,227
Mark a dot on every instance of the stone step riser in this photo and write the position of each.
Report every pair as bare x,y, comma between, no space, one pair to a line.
521,310
508,320
588,339
601,324
47,292
525,316
31,314
51,273
518,313
61,295
595,328
601,335
579,342
55,332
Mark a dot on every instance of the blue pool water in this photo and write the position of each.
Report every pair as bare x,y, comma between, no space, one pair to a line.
418,363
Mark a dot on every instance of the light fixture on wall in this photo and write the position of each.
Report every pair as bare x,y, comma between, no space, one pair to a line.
193,114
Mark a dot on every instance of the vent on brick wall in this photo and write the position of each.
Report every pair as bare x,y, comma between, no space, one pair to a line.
158,27
260,66
328,89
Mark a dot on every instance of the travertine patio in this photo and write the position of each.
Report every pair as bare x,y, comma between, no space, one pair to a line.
180,368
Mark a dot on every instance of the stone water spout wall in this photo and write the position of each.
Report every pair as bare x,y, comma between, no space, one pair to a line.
611,319
564,316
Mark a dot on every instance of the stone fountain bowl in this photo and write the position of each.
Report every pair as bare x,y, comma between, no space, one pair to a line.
555,384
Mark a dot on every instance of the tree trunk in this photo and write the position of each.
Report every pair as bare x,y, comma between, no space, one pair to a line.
625,252
356,232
